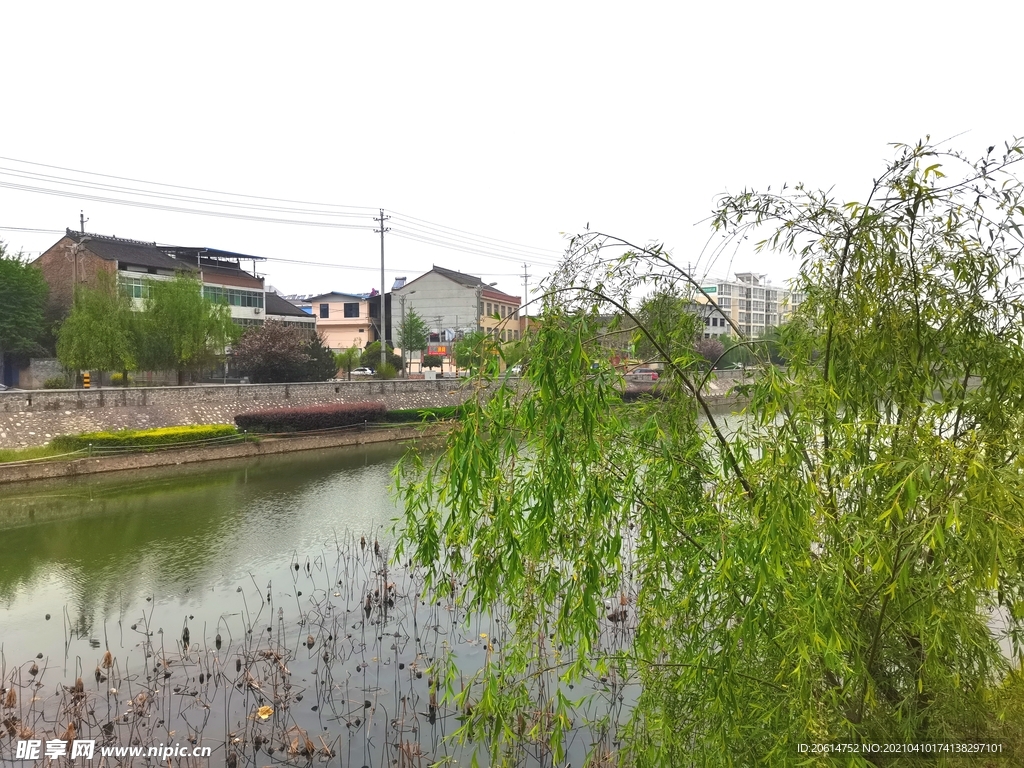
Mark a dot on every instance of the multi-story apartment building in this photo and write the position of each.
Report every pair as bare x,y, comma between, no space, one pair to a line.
751,302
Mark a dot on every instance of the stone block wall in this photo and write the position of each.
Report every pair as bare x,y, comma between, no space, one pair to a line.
33,418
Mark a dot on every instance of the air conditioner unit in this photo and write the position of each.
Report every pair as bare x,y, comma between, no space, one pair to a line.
257,310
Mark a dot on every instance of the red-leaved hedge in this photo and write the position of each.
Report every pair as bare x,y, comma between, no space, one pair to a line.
310,417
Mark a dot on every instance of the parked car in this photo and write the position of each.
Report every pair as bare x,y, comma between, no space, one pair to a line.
646,372
515,370
363,371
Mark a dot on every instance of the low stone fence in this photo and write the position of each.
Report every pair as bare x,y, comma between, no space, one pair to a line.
30,418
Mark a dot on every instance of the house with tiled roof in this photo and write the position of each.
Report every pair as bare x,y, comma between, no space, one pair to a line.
454,303
78,256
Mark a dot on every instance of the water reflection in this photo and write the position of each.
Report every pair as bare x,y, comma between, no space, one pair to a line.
102,542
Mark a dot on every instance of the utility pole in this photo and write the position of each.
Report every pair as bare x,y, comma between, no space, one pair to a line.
439,319
404,330
81,221
383,335
526,291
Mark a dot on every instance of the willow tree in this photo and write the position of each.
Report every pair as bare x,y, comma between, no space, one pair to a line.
840,564
181,329
100,333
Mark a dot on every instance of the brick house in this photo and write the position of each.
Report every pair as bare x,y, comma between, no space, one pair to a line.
77,257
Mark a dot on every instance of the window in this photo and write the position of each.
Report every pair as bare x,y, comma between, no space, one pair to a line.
325,310
135,287
489,312
482,308
725,303
233,296
517,335
352,309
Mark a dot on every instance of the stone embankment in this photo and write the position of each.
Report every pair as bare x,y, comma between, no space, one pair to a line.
31,418
43,470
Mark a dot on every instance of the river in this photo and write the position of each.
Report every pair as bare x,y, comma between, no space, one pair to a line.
222,588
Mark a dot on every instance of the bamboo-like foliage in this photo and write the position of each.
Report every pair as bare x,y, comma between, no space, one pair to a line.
99,333
831,568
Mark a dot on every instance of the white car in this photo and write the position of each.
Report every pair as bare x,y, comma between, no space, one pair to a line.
362,372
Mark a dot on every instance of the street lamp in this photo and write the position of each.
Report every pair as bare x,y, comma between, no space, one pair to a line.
405,335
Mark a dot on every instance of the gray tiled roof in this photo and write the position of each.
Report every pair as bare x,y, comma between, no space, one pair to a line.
275,305
168,257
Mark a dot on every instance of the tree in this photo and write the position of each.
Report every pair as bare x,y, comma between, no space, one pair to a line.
709,349
473,349
101,332
23,293
828,569
183,330
412,334
347,360
322,365
671,323
272,353
736,352
371,357
432,361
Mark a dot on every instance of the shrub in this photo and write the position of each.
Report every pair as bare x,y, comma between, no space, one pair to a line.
57,382
117,379
312,417
386,371
414,415
143,438
432,361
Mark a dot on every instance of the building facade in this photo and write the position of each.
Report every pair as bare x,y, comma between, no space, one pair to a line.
751,302
345,320
78,257
453,304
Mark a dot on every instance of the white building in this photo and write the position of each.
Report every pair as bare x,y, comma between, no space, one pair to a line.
453,303
751,302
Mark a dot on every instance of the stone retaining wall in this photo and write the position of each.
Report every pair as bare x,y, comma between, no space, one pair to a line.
30,418
42,470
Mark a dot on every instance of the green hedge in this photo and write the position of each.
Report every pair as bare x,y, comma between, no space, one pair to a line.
143,438
415,415
310,418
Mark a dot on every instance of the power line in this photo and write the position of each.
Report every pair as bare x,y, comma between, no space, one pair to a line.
415,229
33,229
413,222
177,209
432,225
176,186
48,179
481,245
456,246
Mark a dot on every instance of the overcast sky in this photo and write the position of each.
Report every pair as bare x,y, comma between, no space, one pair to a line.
485,130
